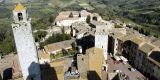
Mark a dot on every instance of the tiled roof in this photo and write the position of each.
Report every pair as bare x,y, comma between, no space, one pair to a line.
116,35
157,43
146,48
19,7
95,55
58,46
136,40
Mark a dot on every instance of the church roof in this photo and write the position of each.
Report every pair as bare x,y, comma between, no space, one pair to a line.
19,7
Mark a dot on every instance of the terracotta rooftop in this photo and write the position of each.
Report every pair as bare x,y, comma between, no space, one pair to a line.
19,7
136,40
125,38
157,43
58,46
146,48
65,15
43,55
95,55
97,23
116,35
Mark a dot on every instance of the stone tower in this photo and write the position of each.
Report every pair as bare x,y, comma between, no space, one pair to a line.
25,44
101,38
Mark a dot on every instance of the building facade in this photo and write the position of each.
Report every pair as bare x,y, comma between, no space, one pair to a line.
141,53
64,18
101,38
25,44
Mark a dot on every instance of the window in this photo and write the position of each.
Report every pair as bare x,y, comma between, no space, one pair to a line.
20,16
103,30
32,78
95,18
82,59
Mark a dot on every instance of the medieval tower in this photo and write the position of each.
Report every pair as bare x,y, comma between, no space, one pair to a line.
101,38
25,44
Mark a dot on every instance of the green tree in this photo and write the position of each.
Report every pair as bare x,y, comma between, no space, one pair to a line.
39,35
63,31
74,45
88,19
3,32
147,32
156,35
41,45
71,15
67,36
57,38
6,42
52,56
135,28
51,19
141,31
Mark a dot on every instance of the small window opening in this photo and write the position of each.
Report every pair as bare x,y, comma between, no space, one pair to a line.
95,18
20,16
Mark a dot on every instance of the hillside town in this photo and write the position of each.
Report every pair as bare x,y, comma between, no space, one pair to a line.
96,50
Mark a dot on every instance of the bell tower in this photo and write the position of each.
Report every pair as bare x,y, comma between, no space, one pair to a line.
25,44
20,14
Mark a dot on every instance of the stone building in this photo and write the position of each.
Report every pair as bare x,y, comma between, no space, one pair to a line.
142,52
59,47
64,18
95,66
101,36
25,44
90,68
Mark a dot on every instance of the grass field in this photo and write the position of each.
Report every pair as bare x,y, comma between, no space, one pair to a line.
86,6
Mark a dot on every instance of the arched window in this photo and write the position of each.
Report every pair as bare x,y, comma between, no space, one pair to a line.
20,16
95,18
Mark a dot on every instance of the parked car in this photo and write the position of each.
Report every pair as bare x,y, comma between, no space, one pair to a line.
132,69
118,71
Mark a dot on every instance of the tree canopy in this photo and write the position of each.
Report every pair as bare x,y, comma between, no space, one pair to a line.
39,35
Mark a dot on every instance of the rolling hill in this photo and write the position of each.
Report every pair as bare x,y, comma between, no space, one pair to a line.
145,13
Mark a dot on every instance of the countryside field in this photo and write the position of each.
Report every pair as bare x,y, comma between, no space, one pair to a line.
41,11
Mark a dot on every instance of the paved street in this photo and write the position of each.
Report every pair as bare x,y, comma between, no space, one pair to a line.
133,75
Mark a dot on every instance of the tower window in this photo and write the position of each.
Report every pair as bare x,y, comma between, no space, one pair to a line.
20,16
95,18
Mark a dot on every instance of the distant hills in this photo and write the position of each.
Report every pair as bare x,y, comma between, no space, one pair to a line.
17,1
143,12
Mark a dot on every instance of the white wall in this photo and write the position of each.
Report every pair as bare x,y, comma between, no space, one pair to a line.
26,49
69,22
101,41
24,14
